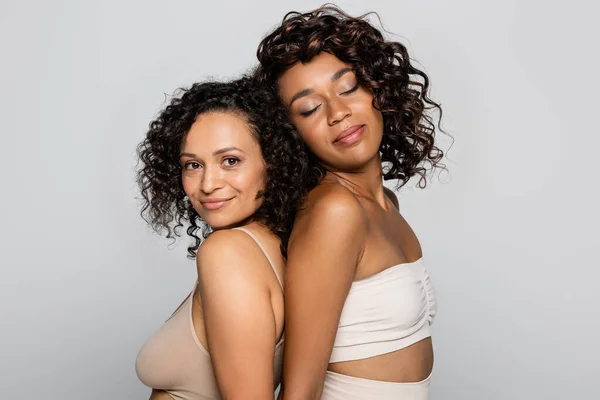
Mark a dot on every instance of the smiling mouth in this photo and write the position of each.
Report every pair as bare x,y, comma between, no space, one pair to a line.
350,135
215,204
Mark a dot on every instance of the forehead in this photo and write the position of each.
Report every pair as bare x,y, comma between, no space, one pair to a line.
217,130
317,71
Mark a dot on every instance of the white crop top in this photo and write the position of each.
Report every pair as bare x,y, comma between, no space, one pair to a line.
385,312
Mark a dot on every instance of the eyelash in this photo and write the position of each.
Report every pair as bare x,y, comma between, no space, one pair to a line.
350,90
307,113
237,161
188,164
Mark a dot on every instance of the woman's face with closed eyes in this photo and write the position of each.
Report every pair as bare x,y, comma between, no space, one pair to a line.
332,112
223,170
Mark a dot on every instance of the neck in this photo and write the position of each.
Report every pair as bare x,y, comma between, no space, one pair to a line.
366,182
241,224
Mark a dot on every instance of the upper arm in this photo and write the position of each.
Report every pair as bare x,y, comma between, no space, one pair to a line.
324,250
238,316
392,196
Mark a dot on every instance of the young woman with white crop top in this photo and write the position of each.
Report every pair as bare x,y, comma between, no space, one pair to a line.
220,160
359,301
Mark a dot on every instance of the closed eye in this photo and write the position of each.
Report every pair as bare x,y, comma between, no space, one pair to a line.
350,90
307,113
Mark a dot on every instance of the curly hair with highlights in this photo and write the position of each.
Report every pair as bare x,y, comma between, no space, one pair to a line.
165,207
384,67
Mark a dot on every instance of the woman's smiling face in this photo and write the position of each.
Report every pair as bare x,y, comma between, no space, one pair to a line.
223,170
332,112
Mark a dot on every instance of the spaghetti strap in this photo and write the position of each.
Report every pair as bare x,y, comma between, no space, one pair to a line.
259,243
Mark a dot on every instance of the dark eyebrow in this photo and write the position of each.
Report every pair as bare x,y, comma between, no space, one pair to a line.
216,153
306,92
301,93
226,150
340,73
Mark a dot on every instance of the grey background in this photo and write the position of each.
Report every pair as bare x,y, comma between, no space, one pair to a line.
511,239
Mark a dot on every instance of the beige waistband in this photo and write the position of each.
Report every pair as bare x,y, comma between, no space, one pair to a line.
338,387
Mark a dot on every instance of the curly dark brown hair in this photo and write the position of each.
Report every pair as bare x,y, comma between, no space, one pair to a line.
400,89
159,173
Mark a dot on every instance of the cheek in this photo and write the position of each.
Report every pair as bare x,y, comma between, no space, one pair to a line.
364,108
311,132
188,184
378,117
364,104
375,112
250,182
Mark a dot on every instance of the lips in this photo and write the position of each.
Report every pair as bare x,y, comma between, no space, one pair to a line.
214,204
350,135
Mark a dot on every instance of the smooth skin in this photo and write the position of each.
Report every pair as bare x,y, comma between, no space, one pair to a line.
348,229
238,307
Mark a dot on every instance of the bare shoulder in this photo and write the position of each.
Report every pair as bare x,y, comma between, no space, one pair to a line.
330,212
392,196
221,244
332,200
227,252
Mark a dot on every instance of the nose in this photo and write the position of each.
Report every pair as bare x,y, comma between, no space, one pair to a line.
338,110
211,180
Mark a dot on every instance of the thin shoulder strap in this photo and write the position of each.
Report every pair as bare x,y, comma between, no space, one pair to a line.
259,243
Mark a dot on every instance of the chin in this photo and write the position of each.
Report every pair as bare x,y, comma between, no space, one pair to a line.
217,223
356,160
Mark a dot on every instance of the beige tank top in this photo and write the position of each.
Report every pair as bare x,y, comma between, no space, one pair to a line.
175,361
